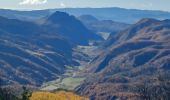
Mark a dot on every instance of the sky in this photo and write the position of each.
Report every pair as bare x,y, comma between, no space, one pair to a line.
163,5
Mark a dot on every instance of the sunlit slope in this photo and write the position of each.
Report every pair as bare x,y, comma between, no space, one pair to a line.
62,95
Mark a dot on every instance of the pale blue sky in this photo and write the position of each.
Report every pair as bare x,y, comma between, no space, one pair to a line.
45,4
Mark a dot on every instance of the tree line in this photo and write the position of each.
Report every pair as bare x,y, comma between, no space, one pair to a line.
6,93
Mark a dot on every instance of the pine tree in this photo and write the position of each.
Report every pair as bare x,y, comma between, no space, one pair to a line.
26,93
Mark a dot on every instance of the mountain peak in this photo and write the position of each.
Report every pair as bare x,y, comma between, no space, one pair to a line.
70,27
88,18
60,16
148,20
58,13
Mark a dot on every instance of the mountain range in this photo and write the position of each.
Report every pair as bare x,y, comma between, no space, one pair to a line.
134,55
106,53
112,13
33,53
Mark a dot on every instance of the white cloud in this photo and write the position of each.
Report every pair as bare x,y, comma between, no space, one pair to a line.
62,4
33,2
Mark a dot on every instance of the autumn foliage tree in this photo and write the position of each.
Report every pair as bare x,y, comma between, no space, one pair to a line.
61,95
157,90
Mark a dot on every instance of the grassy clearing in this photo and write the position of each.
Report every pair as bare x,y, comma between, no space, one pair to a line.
68,83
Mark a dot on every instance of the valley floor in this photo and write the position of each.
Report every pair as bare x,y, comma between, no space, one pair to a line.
73,76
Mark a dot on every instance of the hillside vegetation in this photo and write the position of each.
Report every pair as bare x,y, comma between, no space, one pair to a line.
61,95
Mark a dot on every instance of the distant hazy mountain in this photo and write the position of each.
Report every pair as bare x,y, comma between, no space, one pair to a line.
113,13
87,19
135,55
96,25
117,14
24,15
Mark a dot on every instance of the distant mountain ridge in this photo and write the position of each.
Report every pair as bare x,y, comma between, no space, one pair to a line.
24,15
112,13
96,25
117,14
